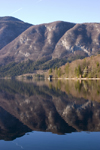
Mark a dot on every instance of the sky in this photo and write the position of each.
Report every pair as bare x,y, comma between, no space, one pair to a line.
45,11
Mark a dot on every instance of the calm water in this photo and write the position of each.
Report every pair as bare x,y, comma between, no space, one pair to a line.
49,115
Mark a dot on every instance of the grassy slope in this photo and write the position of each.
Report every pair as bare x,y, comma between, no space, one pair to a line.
88,67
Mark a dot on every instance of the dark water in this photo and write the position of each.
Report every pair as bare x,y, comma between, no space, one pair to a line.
44,116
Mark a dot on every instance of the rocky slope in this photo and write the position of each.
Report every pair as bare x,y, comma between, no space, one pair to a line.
50,41
10,28
35,43
82,37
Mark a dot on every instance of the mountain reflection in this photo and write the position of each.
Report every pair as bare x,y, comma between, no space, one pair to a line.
57,107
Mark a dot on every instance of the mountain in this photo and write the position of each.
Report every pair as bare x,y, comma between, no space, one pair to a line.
10,28
45,46
35,43
82,37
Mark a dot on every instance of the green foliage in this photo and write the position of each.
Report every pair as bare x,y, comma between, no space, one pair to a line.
56,70
72,58
78,71
67,69
29,77
85,63
78,86
39,76
85,72
59,72
50,70
59,84
53,63
67,88
15,69
90,75
97,64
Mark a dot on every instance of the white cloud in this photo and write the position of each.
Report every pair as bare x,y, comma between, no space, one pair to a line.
16,11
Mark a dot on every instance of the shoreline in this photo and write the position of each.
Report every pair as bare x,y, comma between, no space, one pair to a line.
75,78
6,78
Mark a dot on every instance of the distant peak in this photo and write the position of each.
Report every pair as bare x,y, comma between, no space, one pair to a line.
9,18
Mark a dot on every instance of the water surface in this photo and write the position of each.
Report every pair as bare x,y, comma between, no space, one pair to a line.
49,115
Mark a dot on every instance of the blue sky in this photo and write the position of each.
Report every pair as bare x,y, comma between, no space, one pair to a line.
45,11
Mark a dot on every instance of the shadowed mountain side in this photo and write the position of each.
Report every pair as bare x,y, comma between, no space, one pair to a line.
10,28
82,37
11,127
43,109
35,43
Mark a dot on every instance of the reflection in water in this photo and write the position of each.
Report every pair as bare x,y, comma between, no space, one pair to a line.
81,89
58,107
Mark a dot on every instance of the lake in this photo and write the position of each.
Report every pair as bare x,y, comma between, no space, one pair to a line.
43,115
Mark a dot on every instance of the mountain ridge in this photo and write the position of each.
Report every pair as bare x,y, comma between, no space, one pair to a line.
85,37
10,28
36,42
55,41
9,18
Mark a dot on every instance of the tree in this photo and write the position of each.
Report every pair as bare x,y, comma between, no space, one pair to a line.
59,72
97,64
78,71
50,70
67,69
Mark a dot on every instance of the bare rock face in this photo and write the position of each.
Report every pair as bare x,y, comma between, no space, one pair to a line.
10,28
82,37
54,40
35,43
